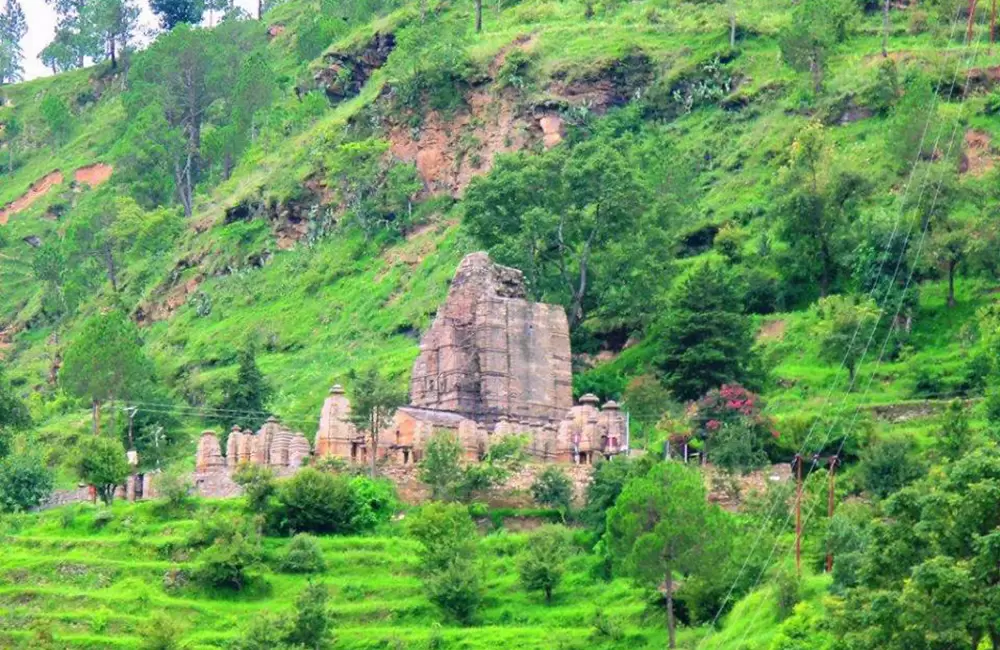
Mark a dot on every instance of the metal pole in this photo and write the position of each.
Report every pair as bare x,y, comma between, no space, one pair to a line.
798,514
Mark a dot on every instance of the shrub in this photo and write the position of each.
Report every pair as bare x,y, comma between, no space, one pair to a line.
303,556
175,490
441,467
311,624
162,634
211,527
258,486
315,502
553,488
227,563
887,465
457,589
377,502
24,483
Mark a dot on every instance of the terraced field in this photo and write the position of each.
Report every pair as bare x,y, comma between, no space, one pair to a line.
74,578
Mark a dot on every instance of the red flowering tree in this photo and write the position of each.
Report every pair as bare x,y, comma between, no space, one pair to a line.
731,421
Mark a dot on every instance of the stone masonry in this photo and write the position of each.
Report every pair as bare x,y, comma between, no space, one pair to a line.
493,364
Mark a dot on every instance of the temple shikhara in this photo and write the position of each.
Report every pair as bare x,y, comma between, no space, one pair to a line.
492,364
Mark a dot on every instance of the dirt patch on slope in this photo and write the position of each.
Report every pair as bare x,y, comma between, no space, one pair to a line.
772,330
449,150
93,175
977,158
39,189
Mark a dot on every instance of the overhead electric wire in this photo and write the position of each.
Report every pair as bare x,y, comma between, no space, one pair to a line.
902,209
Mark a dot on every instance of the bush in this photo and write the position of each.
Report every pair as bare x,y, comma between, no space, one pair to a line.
175,490
24,483
258,486
888,465
303,556
104,465
163,634
553,488
457,589
211,527
377,502
227,563
315,502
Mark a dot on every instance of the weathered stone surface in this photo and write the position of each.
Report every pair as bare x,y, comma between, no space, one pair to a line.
492,353
209,452
336,432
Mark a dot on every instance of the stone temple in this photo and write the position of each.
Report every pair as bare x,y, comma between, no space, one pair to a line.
492,364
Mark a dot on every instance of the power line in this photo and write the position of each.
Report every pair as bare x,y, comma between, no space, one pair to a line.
805,443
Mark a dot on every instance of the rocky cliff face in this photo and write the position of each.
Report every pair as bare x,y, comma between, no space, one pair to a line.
491,353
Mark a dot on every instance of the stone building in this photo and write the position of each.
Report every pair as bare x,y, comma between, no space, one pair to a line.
492,364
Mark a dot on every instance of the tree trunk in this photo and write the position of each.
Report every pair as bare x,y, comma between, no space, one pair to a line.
995,638
817,73
114,53
671,623
374,440
851,371
732,27
95,411
951,283
109,261
260,9
548,594
885,30
479,16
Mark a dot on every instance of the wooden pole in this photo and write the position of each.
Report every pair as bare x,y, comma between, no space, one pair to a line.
993,24
972,21
798,514
829,507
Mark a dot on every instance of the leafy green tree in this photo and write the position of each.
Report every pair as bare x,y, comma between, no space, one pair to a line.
817,199
14,415
502,459
953,240
887,465
258,486
13,27
457,589
317,502
374,400
105,362
553,488
845,329
103,464
704,339
441,468
311,627
57,117
449,558
817,26
956,435
245,398
591,200
541,565
662,526
114,24
607,482
174,12
445,531
25,482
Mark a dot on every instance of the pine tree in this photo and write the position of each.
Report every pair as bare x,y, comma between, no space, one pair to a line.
247,396
175,12
705,339
13,27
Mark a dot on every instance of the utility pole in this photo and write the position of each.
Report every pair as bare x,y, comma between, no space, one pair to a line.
885,30
834,461
798,514
972,21
993,24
